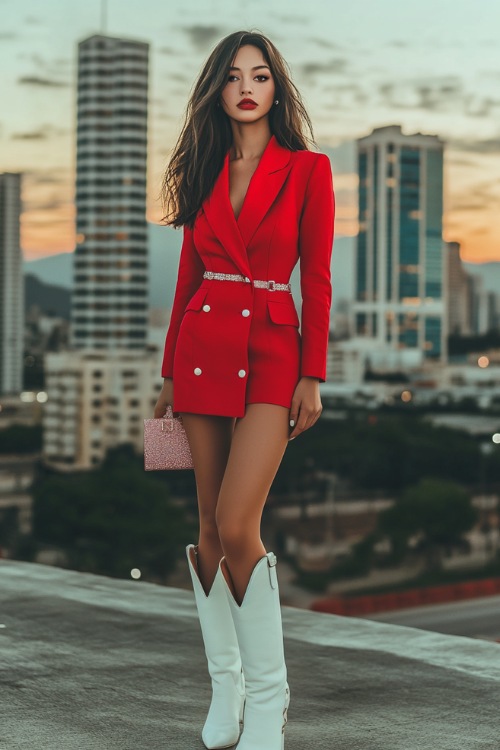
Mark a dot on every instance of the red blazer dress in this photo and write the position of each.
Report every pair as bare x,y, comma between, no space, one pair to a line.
230,343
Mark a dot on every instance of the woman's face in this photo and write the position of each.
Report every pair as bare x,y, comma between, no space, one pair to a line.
249,78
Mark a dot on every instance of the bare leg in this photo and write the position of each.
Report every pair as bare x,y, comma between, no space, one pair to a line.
209,438
259,442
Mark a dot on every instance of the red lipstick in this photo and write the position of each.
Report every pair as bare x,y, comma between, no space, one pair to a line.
247,104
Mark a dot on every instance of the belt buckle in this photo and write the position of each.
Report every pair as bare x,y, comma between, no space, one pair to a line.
271,288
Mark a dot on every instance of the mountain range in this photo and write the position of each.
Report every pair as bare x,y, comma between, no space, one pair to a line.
164,251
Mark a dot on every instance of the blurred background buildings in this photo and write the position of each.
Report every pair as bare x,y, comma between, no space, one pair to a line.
414,346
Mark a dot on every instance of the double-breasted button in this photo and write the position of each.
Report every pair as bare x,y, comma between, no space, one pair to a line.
242,373
197,370
206,308
245,313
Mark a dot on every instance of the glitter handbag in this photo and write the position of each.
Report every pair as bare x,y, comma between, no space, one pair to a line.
165,443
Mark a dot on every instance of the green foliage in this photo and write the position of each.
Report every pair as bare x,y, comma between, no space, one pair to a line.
437,511
382,452
458,344
111,520
21,439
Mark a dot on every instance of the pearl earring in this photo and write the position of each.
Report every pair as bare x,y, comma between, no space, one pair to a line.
276,101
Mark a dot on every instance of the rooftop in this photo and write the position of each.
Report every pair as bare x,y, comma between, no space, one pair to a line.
95,663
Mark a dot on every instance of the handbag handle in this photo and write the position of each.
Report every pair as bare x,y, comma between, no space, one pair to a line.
169,415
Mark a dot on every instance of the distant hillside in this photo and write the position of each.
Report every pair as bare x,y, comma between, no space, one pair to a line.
54,269
51,299
164,250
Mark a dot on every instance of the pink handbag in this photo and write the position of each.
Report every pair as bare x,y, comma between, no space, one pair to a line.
165,443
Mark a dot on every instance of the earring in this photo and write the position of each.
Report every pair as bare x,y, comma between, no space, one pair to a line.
276,101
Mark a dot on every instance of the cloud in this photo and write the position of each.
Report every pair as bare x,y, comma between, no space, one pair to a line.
334,65
288,18
480,106
41,221
325,43
181,77
343,96
473,206
168,51
56,176
35,135
458,161
477,146
38,81
432,95
45,205
43,132
202,36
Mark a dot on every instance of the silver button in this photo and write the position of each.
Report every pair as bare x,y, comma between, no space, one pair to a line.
206,308
242,373
245,313
197,370
247,279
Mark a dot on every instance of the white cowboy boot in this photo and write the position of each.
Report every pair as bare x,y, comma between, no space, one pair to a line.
260,637
222,725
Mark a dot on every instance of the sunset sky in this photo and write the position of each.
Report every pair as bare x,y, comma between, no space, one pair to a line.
432,66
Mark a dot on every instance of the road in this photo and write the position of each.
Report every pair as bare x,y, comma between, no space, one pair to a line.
475,618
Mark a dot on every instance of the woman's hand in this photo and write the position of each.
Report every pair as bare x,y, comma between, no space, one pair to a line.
166,397
306,405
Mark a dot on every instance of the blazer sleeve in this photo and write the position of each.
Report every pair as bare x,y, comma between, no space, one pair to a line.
315,248
189,278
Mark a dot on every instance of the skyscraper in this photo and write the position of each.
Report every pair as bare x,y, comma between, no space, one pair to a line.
400,258
110,289
11,285
459,300
100,391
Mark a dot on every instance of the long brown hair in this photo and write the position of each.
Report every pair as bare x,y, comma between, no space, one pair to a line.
206,133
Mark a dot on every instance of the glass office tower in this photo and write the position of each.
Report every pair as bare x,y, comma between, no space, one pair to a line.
400,257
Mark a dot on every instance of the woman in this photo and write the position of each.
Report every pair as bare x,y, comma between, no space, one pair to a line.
253,200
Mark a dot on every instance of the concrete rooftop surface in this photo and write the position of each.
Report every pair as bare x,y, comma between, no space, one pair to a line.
95,663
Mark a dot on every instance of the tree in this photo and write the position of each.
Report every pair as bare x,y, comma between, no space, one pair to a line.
111,520
21,439
438,512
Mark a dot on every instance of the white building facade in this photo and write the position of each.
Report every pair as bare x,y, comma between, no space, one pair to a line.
97,401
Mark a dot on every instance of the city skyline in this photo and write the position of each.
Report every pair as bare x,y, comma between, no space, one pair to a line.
431,69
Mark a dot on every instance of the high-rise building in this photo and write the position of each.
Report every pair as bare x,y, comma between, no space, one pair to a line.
99,392
483,306
472,308
110,289
459,301
400,258
11,285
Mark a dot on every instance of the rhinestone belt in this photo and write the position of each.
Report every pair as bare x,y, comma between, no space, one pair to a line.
260,284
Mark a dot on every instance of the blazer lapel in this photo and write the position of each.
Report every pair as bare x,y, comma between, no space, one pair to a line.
263,189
